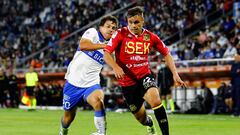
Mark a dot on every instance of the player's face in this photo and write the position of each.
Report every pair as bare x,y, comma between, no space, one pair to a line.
135,24
108,29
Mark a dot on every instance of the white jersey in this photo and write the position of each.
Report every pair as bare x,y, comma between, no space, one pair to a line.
83,71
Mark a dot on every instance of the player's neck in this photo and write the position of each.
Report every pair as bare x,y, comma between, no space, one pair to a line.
102,38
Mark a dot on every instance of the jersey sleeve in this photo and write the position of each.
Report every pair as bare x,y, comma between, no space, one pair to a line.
90,34
114,41
160,46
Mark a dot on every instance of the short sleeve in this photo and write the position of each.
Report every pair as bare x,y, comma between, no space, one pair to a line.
114,41
160,46
90,34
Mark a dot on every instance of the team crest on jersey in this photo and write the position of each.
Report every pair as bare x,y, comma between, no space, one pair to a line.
146,37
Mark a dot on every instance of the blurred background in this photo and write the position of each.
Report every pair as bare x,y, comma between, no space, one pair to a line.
203,36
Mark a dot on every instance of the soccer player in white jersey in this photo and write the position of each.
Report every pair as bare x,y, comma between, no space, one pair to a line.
82,77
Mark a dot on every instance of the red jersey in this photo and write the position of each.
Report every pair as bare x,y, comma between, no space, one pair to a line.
131,52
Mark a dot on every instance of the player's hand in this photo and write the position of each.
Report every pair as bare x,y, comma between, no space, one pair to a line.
237,58
178,81
118,72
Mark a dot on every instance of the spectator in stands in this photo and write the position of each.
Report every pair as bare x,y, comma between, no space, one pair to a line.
174,52
230,52
38,23
188,54
219,51
165,82
202,38
35,63
222,40
31,78
228,4
228,25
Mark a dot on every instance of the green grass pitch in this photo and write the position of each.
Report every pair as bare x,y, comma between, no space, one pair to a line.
46,122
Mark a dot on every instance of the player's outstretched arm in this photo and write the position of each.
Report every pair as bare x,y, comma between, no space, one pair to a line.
118,71
177,80
88,45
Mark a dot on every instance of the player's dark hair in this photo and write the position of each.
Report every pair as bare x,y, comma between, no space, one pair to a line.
108,18
135,11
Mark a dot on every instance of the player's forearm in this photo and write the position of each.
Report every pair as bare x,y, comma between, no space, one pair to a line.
171,64
89,46
118,71
109,60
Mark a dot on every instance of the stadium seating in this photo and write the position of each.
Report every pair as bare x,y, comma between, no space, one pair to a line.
49,23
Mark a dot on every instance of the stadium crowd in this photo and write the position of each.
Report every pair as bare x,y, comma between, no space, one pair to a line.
167,17
218,41
28,26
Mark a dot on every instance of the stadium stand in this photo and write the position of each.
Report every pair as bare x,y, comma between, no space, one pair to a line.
53,23
37,24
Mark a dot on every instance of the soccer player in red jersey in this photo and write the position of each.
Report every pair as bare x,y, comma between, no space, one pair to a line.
132,45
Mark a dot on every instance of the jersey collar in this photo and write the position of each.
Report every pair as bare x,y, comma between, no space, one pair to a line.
101,38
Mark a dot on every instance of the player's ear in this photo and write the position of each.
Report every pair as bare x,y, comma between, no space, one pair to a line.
142,16
143,19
